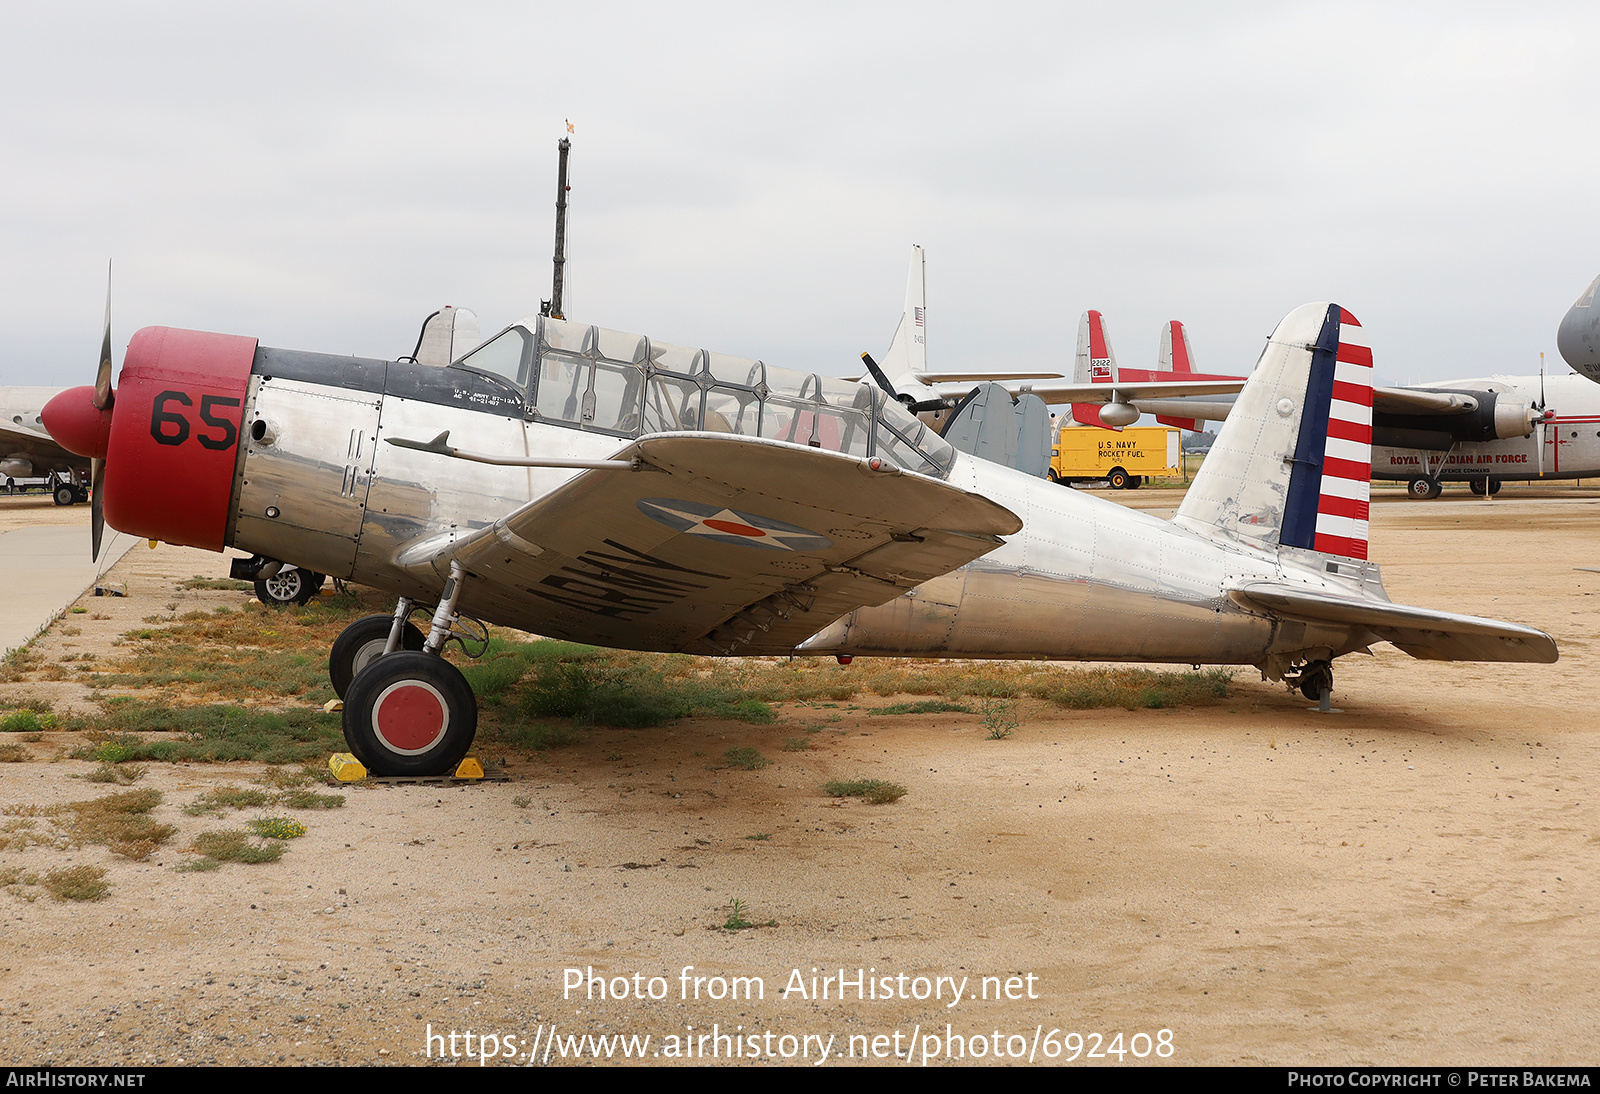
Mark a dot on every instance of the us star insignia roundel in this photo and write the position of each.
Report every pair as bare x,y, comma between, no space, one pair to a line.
727,526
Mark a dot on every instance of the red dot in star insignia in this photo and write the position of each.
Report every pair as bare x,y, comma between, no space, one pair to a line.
732,528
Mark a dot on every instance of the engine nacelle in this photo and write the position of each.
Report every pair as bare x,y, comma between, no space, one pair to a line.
1118,414
170,439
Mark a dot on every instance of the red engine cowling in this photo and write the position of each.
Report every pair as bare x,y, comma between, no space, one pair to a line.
172,447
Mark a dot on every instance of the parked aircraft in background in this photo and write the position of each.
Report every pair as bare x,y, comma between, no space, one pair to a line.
27,451
904,374
1481,431
610,489
1578,337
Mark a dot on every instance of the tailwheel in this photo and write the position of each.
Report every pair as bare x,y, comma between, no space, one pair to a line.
1316,678
362,643
410,713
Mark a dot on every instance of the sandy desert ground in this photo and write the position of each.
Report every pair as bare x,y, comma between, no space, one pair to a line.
1410,881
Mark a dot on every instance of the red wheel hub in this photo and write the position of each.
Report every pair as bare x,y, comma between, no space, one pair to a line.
410,717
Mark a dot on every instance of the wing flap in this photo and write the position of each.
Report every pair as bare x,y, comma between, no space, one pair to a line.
1421,632
724,543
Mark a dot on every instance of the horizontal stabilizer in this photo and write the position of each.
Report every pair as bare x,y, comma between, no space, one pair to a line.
1421,632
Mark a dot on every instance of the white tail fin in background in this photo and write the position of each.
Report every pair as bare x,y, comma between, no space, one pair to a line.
1095,363
1292,466
908,351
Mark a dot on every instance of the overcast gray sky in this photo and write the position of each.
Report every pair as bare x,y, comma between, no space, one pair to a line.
751,178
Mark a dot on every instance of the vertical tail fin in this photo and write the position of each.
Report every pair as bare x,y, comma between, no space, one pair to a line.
908,351
1095,364
1292,466
1176,356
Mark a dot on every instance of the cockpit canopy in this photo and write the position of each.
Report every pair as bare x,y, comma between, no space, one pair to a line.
605,381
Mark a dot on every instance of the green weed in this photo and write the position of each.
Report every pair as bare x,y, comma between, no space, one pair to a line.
873,791
277,827
746,759
237,846
926,706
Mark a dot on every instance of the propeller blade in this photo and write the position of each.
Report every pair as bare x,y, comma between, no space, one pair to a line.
102,381
878,375
97,515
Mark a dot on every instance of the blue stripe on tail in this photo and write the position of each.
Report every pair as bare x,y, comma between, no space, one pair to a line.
1305,479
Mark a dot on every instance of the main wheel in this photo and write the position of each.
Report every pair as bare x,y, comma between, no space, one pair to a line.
1118,479
362,643
65,494
1424,489
410,714
294,586
1494,487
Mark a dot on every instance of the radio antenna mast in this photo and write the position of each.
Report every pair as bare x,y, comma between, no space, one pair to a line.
552,307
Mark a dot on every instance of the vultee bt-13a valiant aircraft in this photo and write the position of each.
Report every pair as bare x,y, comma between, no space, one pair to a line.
606,488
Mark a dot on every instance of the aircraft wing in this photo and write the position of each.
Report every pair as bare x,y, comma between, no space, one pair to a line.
1421,632
1401,400
1069,391
720,544
39,448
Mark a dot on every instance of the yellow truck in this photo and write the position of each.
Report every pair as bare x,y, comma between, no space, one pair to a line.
1122,458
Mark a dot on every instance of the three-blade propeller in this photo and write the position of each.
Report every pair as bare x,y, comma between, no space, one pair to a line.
907,401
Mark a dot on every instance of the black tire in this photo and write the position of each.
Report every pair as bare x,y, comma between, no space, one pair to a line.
1118,479
294,586
360,644
1494,487
65,495
410,714
1424,489
1135,481
1055,478
1313,678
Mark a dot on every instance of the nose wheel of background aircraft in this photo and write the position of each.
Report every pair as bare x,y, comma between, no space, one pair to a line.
410,713
290,585
362,643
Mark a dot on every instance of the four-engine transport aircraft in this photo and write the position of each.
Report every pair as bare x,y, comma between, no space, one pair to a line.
606,488
28,451
1481,431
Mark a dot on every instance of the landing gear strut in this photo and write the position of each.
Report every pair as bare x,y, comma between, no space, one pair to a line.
407,711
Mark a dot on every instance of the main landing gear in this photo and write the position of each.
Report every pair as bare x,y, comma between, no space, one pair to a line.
1424,489
407,711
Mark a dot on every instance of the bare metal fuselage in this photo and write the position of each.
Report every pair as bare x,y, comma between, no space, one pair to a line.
1085,579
